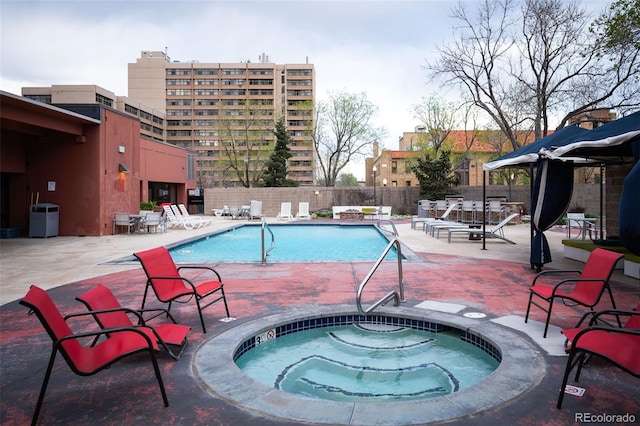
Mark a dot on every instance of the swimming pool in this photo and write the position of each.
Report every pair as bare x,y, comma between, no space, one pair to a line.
293,243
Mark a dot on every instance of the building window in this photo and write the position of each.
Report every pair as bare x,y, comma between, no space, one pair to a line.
408,183
191,173
206,71
394,183
394,167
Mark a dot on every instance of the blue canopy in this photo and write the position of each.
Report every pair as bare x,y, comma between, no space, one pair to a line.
614,139
529,154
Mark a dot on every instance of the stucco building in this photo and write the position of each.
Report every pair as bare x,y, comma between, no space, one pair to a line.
90,160
226,113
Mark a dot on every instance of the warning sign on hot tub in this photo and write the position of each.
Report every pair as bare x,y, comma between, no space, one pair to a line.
266,336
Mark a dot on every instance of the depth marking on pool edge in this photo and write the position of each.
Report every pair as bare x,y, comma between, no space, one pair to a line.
266,336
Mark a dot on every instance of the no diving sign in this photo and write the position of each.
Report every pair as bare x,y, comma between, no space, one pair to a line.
266,336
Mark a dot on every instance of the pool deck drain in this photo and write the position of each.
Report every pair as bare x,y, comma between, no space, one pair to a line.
521,369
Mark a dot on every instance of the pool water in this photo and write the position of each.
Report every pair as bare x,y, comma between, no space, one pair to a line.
367,363
293,243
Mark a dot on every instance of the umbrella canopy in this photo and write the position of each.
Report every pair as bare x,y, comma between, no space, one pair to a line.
530,153
608,140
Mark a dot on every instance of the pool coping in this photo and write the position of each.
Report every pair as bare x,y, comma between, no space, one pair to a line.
522,368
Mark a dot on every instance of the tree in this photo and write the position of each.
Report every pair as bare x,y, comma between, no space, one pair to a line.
347,179
276,168
434,175
438,118
523,66
343,132
246,135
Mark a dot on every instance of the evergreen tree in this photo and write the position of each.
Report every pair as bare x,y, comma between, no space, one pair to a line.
276,167
434,175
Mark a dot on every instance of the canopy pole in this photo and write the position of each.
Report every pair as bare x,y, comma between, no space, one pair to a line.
602,171
484,206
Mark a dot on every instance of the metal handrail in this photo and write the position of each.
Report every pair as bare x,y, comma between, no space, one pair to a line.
393,225
398,296
265,253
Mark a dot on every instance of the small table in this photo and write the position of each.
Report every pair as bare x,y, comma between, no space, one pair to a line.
473,236
138,219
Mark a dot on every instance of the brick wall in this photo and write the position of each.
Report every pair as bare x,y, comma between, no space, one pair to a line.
403,200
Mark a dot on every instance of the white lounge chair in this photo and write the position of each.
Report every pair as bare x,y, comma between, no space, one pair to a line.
285,211
495,232
198,221
174,221
431,220
188,222
303,211
255,210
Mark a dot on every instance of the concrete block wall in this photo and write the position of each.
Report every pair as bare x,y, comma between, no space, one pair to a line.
404,200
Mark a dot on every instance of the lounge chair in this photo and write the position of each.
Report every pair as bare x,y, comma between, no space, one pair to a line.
255,210
495,232
617,345
187,221
82,360
174,221
285,211
108,313
588,287
435,227
198,221
426,221
169,286
303,211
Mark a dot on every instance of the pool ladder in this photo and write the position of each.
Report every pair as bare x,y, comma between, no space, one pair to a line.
265,253
396,295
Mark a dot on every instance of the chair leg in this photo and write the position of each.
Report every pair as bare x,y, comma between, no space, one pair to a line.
546,324
526,317
159,377
204,329
567,371
224,299
43,389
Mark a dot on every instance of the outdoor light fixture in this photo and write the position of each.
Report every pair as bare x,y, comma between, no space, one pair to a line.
122,168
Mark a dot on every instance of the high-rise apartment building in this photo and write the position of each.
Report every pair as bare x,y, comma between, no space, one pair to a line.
227,112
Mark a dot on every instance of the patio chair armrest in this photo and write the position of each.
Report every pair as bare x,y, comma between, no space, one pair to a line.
106,311
105,331
160,312
575,280
169,277
201,267
617,313
553,272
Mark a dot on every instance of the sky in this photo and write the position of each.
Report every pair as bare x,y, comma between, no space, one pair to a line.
375,47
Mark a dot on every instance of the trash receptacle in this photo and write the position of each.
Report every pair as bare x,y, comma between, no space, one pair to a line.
43,221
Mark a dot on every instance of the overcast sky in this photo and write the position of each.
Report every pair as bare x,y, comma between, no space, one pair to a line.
376,47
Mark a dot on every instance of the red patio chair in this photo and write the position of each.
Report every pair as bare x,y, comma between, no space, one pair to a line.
108,313
603,318
587,288
164,277
618,345
82,360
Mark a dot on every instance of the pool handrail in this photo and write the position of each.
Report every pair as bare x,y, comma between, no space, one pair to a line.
380,227
265,253
398,296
